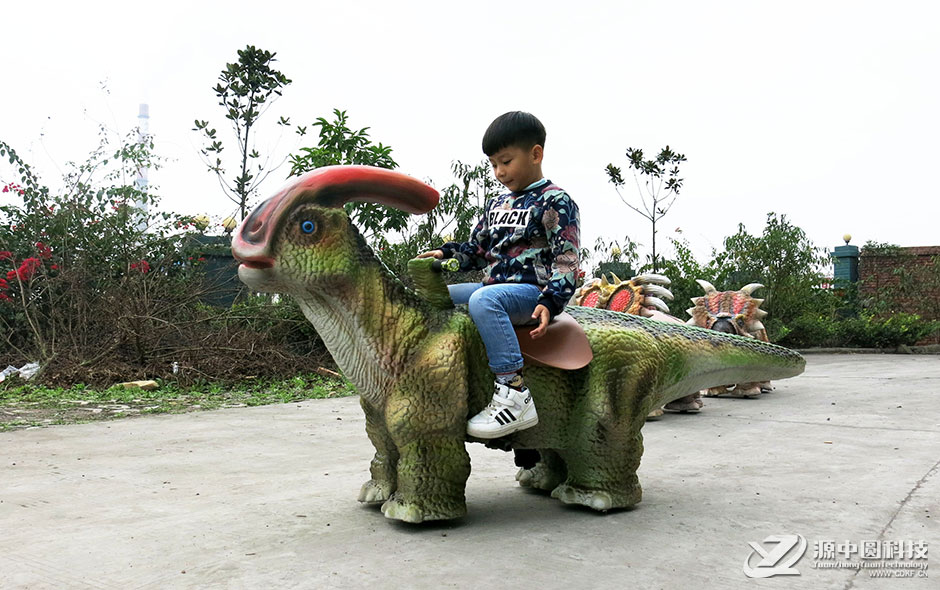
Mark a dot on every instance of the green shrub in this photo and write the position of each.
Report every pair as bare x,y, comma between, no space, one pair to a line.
808,331
867,331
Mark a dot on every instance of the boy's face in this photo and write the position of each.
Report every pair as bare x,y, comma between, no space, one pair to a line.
516,167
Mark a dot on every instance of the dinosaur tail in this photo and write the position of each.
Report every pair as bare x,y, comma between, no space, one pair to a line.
698,358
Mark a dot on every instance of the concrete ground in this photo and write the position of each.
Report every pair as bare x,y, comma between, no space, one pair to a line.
266,498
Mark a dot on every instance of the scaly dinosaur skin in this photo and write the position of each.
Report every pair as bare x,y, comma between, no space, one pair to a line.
421,370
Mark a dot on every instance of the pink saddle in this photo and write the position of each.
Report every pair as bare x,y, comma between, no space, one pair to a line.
564,345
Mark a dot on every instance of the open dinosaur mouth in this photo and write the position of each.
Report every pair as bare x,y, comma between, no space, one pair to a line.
258,263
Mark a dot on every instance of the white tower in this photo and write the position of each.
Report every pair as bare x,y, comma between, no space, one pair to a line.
143,135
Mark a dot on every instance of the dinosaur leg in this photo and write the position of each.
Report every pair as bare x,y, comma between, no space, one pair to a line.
383,467
602,474
432,475
546,474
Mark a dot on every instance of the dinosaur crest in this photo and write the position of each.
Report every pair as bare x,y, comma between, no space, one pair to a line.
738,307
629,296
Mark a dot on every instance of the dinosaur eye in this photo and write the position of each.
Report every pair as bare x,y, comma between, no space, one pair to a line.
307,226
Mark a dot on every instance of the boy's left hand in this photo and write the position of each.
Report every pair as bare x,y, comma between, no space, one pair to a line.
541,314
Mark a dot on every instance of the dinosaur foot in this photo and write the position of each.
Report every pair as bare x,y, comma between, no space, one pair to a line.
540,477
375,491
689,403
655,414
601,500
716,391
397,508
746,390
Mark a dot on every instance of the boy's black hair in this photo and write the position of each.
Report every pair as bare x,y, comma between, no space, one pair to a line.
514,128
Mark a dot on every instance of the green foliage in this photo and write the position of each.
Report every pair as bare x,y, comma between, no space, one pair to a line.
616,256
85,269
869,331
340,145
783,259
460,207
661,185
803,313
913,286
246,90
683,269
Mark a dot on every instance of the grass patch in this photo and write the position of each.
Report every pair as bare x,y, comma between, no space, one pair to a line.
24,405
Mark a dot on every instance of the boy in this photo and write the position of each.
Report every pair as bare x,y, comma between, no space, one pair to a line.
528,242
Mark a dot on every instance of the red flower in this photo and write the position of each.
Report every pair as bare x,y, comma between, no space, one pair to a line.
4,285
143,266
201,259
4,297
11,275
6,255
54,267
44,250
28,269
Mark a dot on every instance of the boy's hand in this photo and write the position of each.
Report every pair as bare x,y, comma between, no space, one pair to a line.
541,314
432,254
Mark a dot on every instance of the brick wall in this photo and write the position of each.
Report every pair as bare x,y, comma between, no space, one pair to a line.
876,271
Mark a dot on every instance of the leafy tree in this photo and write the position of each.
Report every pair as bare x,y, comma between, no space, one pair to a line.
661,186
683,269
460,207
340,145
85,271
616,256
246,90
784,260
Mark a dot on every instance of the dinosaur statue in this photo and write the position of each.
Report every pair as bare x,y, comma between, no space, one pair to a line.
420,367
642,295
731,312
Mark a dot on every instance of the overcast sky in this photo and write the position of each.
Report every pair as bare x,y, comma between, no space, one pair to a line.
824,111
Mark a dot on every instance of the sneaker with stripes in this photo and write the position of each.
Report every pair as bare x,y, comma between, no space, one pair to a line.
510,410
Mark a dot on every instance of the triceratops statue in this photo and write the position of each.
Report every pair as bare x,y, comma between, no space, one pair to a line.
732,312
421,369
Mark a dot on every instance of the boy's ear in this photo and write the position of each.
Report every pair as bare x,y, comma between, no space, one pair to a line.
537,153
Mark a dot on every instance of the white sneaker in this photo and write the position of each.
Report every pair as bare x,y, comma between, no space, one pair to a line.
509,411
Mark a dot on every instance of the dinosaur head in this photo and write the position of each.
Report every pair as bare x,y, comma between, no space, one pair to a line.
302,237
732,312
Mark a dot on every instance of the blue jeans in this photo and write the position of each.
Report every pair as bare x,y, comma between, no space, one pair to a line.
495,309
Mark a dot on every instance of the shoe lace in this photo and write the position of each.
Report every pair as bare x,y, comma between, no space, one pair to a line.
497,404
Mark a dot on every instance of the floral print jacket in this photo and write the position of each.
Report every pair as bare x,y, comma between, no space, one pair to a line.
530,236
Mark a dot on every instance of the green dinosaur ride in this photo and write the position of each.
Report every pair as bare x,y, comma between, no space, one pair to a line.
421,370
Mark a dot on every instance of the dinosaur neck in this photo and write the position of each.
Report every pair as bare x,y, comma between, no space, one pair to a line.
371,324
